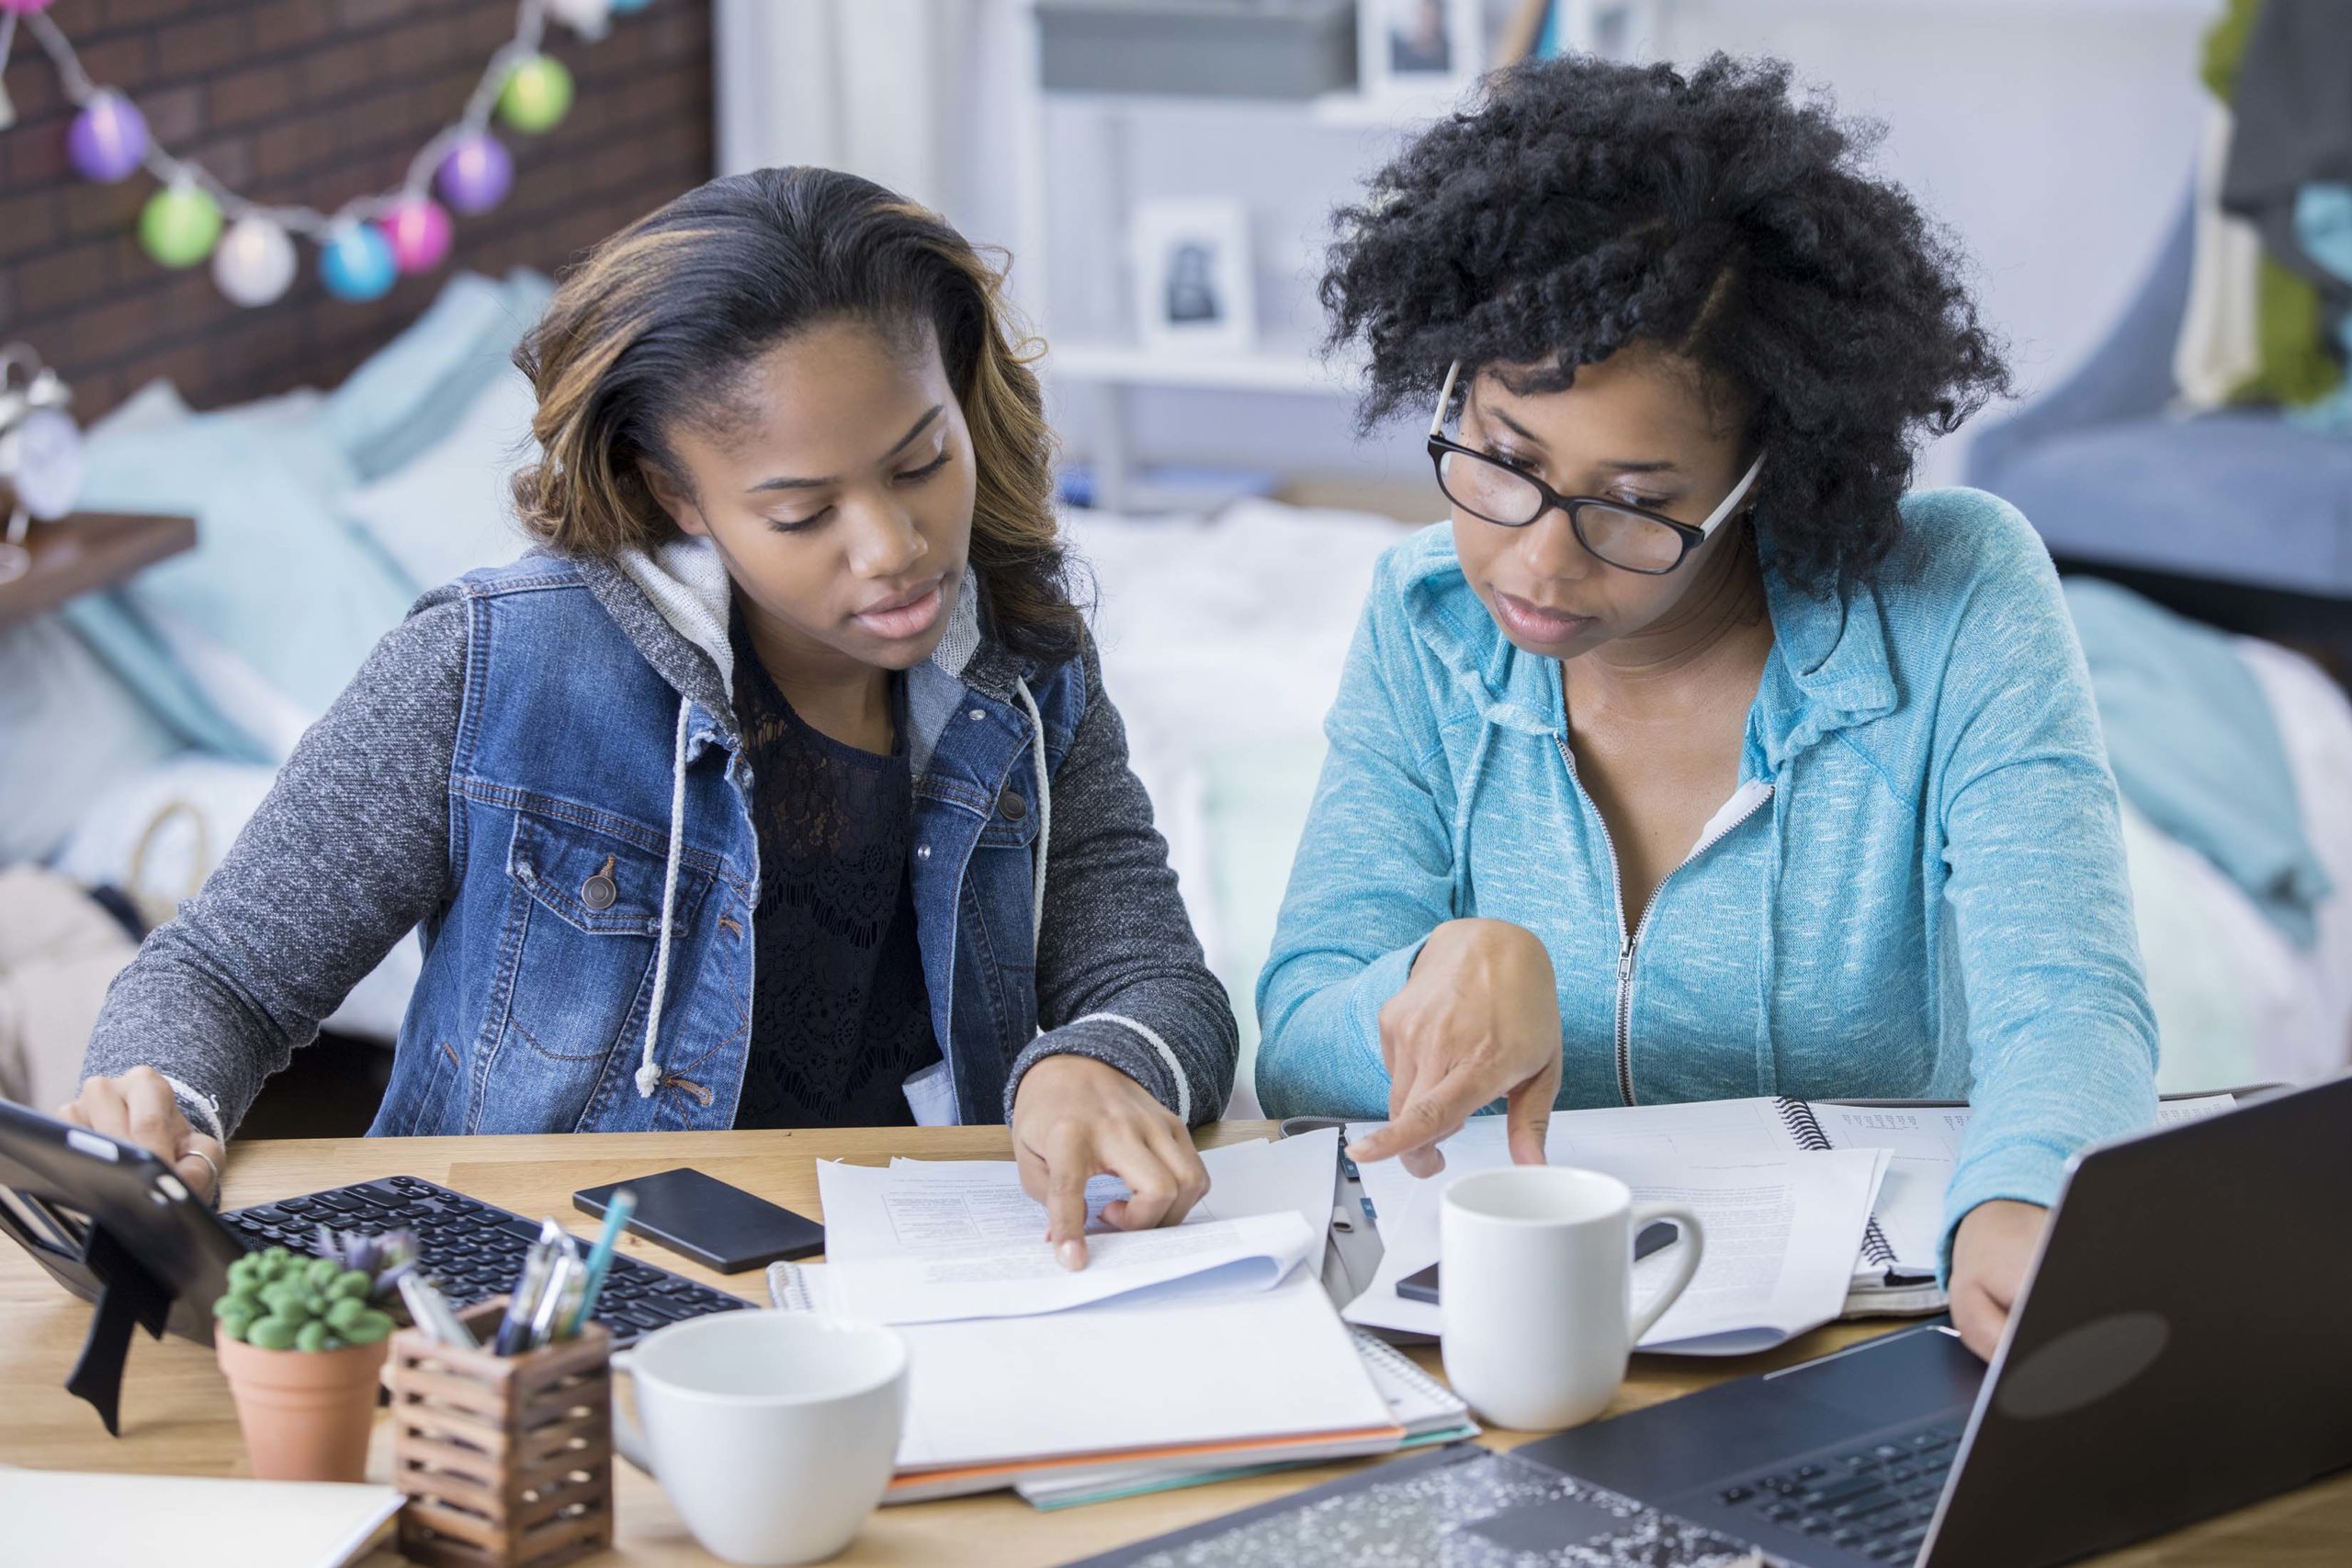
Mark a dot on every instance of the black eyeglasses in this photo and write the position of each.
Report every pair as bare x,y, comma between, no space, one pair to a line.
1624,536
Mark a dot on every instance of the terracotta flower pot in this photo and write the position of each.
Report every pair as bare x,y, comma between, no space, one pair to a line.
306,1414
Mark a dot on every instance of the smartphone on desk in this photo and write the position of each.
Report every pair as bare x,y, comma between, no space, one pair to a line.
1422,1286
703,1218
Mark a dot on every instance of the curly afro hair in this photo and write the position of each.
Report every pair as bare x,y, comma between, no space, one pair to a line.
1581,207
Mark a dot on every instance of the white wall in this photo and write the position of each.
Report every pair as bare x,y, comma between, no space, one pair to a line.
2054,137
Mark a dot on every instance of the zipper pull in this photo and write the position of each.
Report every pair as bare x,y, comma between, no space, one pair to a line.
1626,961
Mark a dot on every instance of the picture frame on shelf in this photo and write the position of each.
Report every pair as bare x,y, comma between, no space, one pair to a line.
1419,48
1193,292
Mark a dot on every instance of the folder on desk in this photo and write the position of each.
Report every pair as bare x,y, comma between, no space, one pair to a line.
1210,1383
86,1516
1429,1412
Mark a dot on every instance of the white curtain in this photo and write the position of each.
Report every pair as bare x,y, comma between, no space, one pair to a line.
907,93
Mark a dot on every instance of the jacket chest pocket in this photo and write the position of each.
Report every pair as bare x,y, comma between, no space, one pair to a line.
584,912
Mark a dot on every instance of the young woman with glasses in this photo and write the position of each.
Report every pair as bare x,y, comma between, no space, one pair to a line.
1693,758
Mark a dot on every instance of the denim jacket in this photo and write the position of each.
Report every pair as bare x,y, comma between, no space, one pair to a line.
547,756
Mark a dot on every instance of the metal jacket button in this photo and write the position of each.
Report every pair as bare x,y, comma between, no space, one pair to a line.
1013,807
599,892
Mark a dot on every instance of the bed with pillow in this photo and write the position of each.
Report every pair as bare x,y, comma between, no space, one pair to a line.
154,716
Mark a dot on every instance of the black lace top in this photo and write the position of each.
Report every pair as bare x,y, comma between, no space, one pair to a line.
839,1015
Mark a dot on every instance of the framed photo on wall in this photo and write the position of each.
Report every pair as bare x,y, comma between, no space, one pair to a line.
1193,292
1418,47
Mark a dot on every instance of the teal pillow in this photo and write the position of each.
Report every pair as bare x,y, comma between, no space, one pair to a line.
281,596
261,626
410,394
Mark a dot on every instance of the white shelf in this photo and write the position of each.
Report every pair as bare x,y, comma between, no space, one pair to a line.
1376,110
1346,109
1131,365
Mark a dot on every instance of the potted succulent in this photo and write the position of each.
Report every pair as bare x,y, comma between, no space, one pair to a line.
302,1341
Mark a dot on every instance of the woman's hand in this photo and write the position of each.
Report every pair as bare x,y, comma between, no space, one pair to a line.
138,1107
1990,1253
1075,1118
1479,1017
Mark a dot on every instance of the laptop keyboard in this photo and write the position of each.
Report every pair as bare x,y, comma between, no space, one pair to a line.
1873,1502
472,1250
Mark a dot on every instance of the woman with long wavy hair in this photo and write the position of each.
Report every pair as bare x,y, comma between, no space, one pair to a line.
777,787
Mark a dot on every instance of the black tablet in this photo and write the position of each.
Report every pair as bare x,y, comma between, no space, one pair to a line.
92,1210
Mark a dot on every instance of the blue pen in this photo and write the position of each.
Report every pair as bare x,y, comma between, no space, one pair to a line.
514,1329
622,1204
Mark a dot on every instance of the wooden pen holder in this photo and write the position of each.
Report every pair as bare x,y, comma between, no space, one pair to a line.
507,1461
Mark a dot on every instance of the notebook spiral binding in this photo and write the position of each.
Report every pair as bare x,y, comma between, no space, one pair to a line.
1806,1128
788,1288
1372,1347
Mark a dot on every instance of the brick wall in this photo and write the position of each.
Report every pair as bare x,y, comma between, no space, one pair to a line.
313,102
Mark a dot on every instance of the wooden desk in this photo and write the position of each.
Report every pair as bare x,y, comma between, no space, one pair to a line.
177,1417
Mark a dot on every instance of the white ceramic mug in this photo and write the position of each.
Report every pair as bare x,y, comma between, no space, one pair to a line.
1536,1290
773,1432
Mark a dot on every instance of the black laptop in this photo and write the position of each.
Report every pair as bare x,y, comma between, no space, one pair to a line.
2184,1348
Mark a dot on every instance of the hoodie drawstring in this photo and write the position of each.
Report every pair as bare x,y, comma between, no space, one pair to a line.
649,1071
1045,809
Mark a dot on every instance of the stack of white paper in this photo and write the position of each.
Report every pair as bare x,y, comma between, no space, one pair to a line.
1219,1382
1206,1345
940,1241
1023,1280
1265,1176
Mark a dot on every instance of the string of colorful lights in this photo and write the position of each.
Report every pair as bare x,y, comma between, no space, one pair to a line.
368,243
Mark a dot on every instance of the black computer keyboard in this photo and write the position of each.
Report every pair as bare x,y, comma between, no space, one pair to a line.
1874,1502
472,1250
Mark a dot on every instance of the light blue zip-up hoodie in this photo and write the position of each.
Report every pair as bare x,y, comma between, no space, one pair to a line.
1917,890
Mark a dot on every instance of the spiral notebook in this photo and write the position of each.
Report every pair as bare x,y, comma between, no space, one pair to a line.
1923,1138
1893,1270
1878,1259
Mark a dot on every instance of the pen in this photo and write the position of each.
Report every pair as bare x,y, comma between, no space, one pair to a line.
1348,1169
617,1209
430,1310
574,1289
563,1274
514,1329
